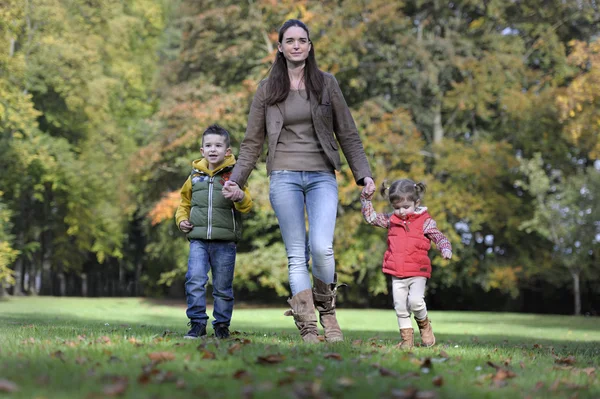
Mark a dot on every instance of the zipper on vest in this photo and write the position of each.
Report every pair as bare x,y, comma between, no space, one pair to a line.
405,225
210,206
233,217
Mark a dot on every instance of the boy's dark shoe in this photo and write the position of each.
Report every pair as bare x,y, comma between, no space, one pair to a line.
221,331
198,330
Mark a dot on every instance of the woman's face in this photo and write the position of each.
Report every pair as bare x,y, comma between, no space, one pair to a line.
295,45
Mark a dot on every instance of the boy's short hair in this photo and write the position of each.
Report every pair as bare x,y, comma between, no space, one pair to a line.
219,131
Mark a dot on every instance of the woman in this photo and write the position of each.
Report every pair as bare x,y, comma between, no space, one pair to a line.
298,108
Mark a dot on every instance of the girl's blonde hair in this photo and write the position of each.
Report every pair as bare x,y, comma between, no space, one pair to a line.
403,189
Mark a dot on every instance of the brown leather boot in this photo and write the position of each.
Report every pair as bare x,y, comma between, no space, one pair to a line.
303,310
427,337
407,335
324,295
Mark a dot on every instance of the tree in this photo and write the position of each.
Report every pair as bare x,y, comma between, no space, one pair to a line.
566,214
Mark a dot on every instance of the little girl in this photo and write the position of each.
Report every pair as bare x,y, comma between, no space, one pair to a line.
410,230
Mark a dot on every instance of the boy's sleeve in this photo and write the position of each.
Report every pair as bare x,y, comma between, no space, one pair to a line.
434,234
245,204
185,204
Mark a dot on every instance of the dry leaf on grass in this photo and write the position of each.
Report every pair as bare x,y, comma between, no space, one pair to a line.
233,348
117,388
270,359
8,386
241,375
345,382
569,360
208,355
334,356
58,355
103,340
438,381
158,357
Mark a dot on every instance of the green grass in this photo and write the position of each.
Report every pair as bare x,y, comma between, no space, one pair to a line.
96,348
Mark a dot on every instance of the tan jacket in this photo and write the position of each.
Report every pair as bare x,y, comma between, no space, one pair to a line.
329,116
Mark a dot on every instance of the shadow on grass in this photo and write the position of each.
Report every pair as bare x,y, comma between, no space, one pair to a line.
172,327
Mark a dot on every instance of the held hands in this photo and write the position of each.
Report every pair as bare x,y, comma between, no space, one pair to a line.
232,191
369,188
186,226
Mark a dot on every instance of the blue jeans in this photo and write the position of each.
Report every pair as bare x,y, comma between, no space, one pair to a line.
291,193
219,258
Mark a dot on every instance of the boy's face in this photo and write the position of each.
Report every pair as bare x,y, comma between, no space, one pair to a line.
214,150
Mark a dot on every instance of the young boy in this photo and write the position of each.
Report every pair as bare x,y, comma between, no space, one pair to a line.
213,227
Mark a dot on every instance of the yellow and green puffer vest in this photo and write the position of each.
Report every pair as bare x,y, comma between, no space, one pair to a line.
214,217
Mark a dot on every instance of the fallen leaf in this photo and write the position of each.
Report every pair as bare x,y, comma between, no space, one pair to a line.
241,375
161,356
58,355
287,380
206,354
438,381
103,340
589,370
521,364
134,341
539,385
117,388
565,360
334,356
234,347
387,372
444,354
345,382
357,342
80,360
537,346
426,363
270,359
8,386
554,385
180,384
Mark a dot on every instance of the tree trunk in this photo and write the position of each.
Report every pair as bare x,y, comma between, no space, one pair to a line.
438,129
19,275
576,292
84,285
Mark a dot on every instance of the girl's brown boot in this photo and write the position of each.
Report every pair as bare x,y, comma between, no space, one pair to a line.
427,337
407,335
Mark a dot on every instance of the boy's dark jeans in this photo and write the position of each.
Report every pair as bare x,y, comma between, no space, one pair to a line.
219,258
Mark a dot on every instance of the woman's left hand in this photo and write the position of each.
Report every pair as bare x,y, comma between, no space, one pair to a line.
369,188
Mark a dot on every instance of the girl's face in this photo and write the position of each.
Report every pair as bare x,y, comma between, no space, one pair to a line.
295,45
403,208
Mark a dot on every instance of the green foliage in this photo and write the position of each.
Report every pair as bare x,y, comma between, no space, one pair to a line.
102,105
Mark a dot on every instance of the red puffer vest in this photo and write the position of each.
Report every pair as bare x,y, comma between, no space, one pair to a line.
406,255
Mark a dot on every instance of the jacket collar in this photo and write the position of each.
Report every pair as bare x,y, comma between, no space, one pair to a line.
419,212
201,165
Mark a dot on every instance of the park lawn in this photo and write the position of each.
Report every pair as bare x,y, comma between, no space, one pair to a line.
133,348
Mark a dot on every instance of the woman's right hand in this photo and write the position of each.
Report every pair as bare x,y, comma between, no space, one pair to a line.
369,188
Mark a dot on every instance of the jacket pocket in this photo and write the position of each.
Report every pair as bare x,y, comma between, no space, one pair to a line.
326,111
